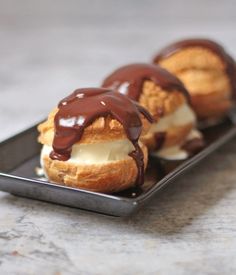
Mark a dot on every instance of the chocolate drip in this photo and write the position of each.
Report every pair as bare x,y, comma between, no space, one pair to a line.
129,79
229,62
83,107
194,146
160,139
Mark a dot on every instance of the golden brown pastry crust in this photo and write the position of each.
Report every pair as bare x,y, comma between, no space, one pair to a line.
154,99
210,92
192,58
107,177
158,101
206,81
203,73
211,106
101,130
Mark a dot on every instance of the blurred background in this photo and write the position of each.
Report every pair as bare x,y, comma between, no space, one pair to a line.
50,48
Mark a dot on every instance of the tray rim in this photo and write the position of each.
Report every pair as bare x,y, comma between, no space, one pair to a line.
135,202
54,185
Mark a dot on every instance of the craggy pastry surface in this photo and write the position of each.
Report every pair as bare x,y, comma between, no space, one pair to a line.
48,49
203,74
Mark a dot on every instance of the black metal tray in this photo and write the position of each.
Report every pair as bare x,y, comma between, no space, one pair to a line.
19,156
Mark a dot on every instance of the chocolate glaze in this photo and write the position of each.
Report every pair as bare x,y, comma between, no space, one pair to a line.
229,62
83,107
129,79
160,139
194,146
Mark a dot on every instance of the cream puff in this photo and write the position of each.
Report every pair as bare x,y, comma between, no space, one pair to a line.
167,100
91,141
207,71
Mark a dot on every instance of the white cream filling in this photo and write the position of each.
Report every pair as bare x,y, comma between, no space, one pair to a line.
96,153
182,116
194,134
176,152
172,153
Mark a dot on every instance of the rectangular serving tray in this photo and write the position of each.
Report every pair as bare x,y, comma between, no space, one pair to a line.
19,157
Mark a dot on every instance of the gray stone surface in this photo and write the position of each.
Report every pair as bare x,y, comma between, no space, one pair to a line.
47,49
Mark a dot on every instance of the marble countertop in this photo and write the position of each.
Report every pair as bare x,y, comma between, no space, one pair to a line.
49,48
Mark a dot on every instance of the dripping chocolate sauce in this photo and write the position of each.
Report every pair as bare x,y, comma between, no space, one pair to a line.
159,139
83,107
194,146
204,43
129,79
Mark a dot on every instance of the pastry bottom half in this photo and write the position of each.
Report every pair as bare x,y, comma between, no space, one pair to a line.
211,106
170,130
105,177
178,143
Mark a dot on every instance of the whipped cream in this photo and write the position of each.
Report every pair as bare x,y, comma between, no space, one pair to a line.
176,152
96,153
182,116
172,153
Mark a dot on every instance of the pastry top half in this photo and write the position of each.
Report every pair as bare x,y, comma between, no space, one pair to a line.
160,92
94,115
203,65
